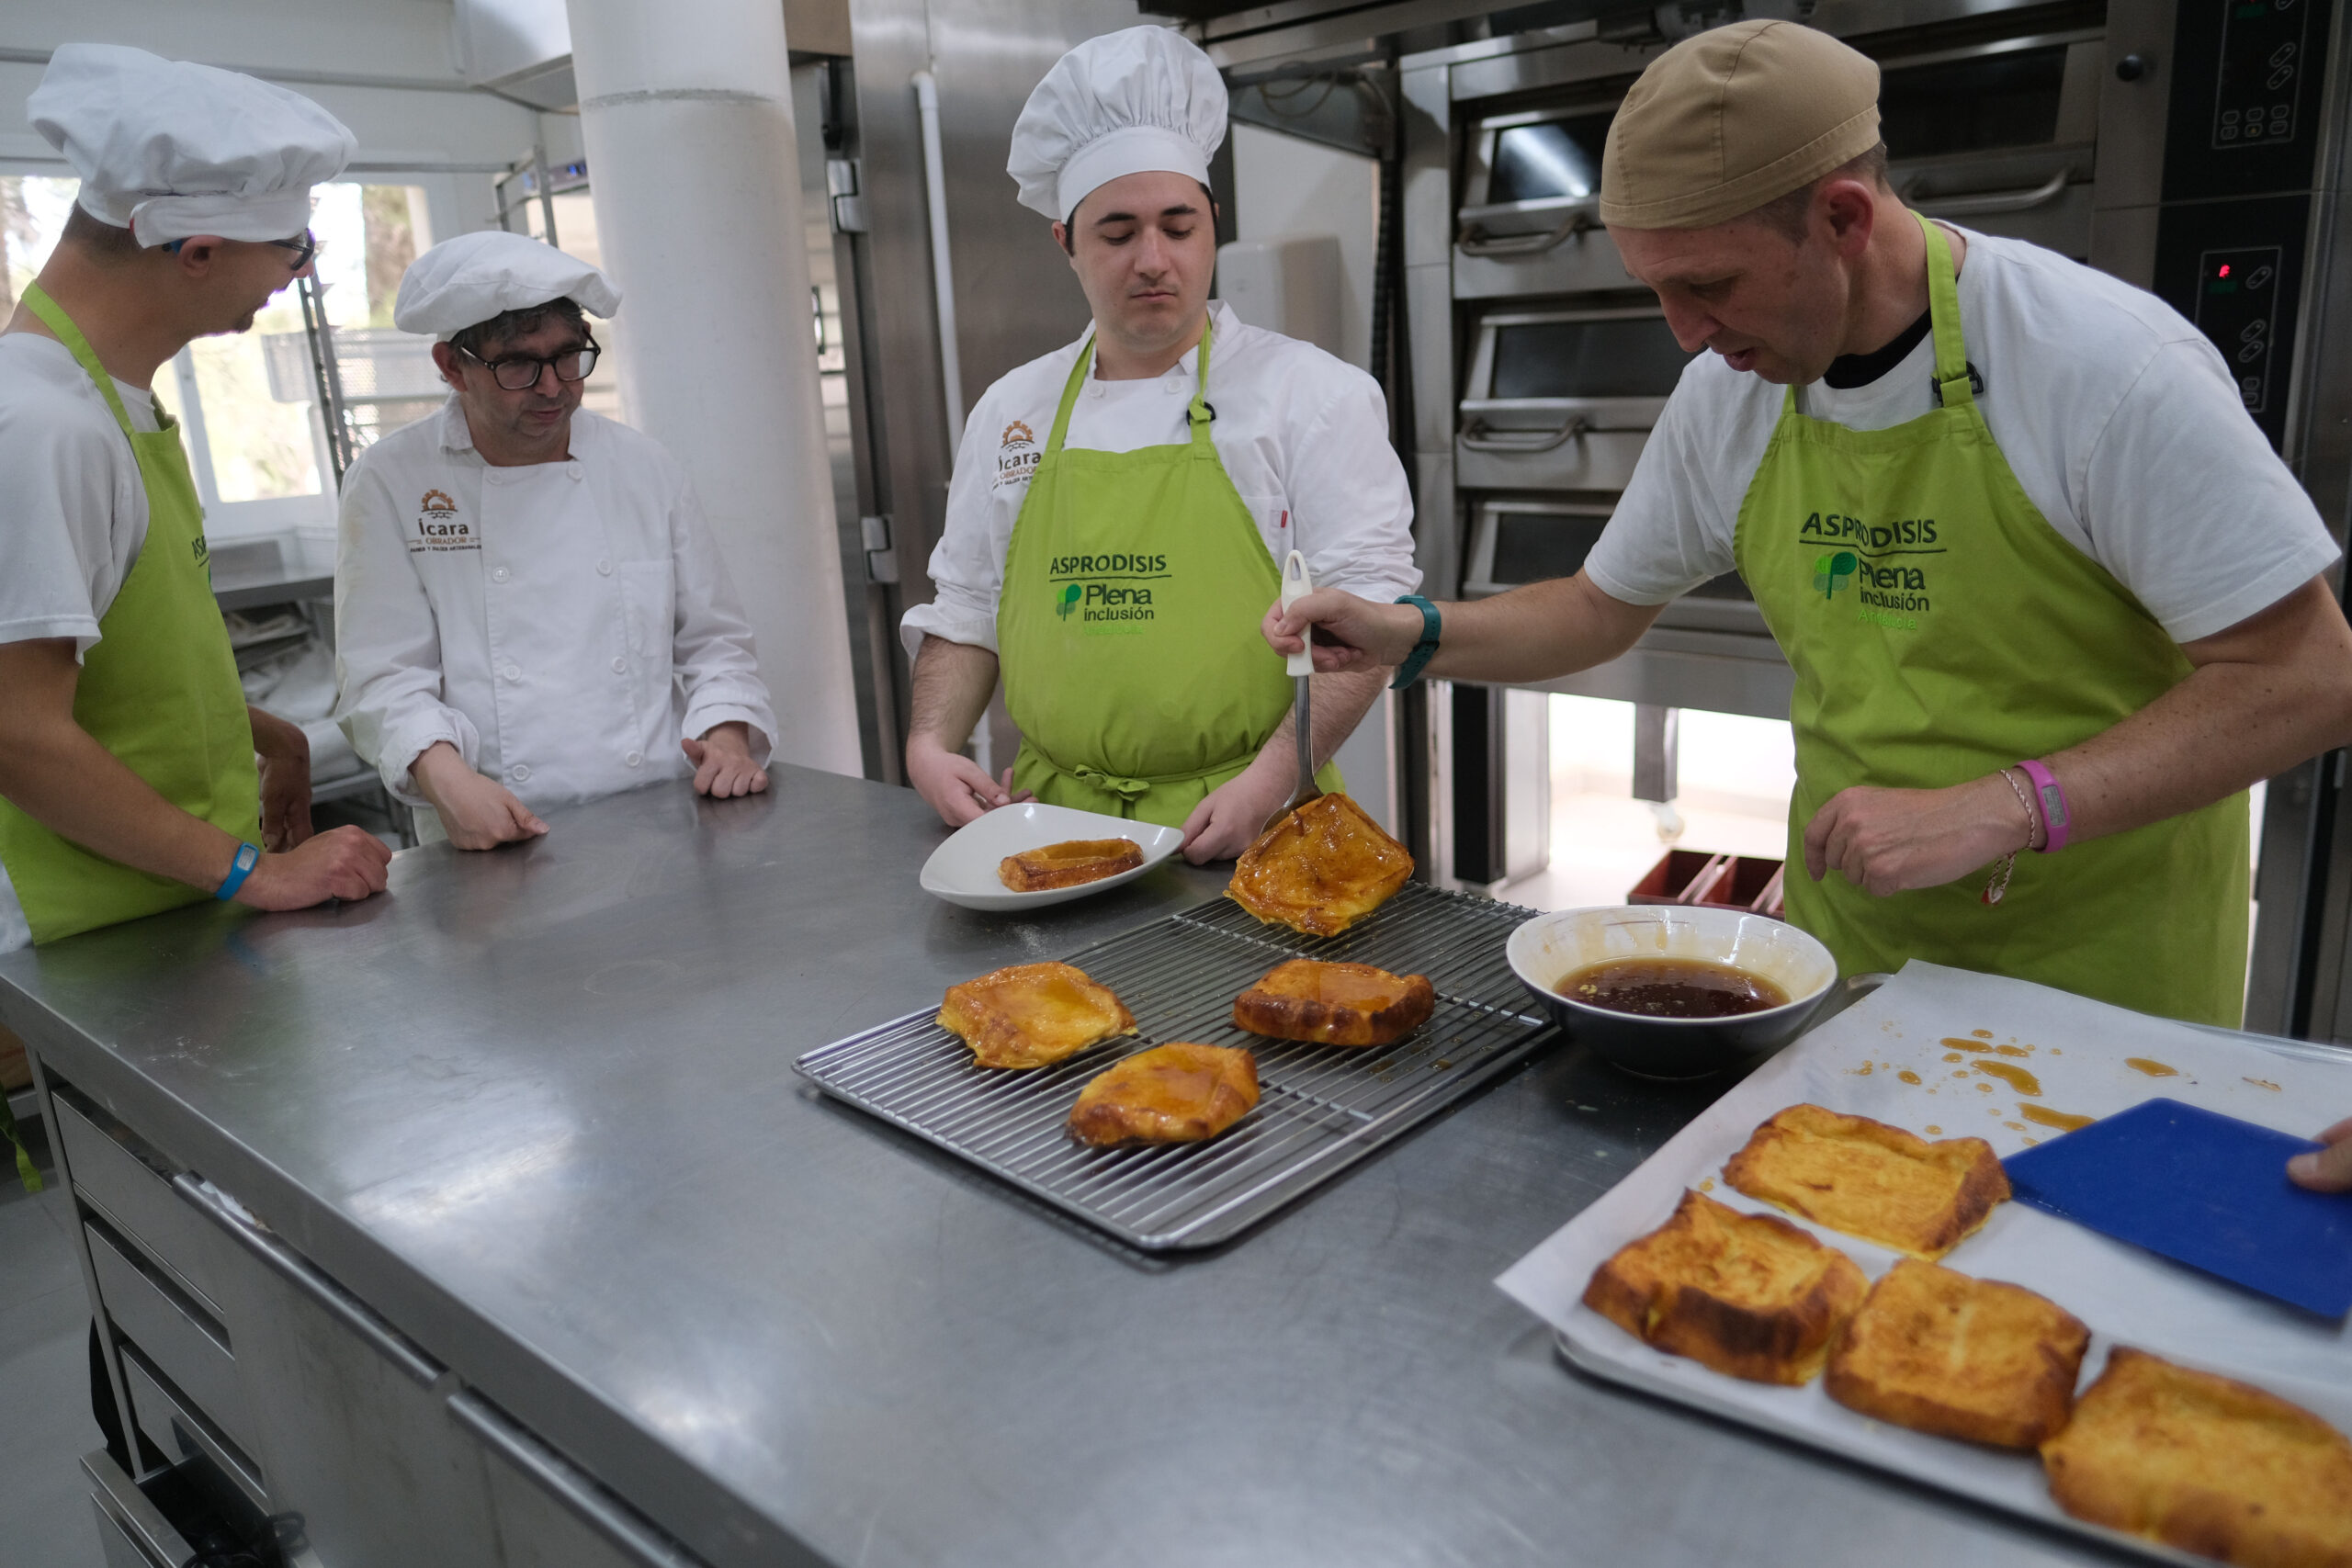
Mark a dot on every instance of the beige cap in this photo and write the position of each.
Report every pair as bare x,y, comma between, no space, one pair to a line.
1723,122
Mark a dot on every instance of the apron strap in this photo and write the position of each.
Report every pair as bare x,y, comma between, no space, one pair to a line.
1200,414
37,301
1127,788
1952,388
1078,374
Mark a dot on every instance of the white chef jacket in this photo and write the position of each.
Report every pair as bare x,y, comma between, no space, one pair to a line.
562,624
1302,436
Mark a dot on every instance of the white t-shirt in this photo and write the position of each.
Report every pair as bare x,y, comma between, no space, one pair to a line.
72,512
1302,436
2117,417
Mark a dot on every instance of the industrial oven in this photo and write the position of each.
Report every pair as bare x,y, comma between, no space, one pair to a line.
2194,149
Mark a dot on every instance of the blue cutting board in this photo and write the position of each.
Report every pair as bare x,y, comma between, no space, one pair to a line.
2205,1190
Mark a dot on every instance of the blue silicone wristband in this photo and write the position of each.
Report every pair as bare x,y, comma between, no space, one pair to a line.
1423,651
248,857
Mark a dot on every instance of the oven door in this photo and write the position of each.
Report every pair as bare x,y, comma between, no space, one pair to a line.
1516,541
1530,222
1999,137
1564,400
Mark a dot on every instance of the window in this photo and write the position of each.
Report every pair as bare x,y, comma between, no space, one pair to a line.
246,401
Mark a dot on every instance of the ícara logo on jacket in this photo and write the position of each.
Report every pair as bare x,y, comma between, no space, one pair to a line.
438,527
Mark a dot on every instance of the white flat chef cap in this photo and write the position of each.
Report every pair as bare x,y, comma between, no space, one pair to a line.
464,282
1126,103
169,150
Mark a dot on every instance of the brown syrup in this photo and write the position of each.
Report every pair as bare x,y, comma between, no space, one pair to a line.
2064,1120
2154,1069
1983,1048
1670,987
1908,1076
2017,1079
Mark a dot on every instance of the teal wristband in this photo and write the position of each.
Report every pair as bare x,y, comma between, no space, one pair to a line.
248,857
1423,651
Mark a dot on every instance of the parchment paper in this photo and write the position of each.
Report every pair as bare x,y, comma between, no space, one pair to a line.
1885,1057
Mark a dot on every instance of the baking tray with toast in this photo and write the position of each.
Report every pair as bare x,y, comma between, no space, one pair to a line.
1948,1054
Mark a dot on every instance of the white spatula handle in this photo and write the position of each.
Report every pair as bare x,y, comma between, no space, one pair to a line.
1297,585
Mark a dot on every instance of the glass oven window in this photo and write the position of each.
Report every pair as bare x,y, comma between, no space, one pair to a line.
1551,159
1531,547
1969,105
1636,357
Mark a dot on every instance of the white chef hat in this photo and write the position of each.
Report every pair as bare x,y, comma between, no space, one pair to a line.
169,150
464,282
1126,103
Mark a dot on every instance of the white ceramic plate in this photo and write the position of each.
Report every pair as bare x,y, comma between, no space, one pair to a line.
963,870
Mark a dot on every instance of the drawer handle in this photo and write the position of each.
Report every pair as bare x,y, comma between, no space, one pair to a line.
1477,437
1996,201
299,1273
1476,242
557,1477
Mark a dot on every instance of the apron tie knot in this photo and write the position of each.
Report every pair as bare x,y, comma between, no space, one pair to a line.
1127,789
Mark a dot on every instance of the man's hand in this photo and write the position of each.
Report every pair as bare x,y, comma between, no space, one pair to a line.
956,785
1892,841
2328,1170
284,753
341,863
723,759
477,813
1232,815
1365,635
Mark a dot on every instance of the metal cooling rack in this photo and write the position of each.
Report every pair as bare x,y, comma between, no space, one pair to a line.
1320,1107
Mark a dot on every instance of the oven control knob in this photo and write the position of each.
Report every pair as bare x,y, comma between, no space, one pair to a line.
2130,68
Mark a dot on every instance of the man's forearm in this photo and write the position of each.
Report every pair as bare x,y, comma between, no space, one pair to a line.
2265,695
953,683
58,774
1538,632
1341,699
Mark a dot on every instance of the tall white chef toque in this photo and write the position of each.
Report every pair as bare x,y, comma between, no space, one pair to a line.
1127,103
464,282
170,149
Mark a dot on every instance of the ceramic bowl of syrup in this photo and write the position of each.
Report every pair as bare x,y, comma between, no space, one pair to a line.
1669,991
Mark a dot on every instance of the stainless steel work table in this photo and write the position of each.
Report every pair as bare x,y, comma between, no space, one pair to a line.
537,1109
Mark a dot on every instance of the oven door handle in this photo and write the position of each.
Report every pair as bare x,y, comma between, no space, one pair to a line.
1998,201
1477,437
1474,242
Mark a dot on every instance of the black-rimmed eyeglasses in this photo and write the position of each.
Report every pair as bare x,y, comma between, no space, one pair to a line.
520,372
305,246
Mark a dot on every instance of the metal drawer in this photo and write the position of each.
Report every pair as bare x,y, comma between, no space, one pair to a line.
179,1429
1580,262
1594,460
135,1199
132,1531
187,1345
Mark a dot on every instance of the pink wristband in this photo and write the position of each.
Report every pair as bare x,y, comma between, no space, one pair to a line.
2053,800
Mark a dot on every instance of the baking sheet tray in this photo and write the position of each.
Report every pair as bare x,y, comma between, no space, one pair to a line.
1320,1107
2075,1054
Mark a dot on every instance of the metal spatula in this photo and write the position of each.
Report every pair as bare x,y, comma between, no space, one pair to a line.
1297,585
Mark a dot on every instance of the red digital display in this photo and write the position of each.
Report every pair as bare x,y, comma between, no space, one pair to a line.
2225,270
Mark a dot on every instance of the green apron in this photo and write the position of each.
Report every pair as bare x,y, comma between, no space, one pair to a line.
1127,628
158,690
1940,629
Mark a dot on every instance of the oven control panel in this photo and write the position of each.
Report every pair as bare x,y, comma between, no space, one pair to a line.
2244,119
2235,269
2260,71
2236,291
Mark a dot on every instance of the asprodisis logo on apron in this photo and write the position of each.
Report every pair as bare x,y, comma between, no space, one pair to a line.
1878,569
1108,595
